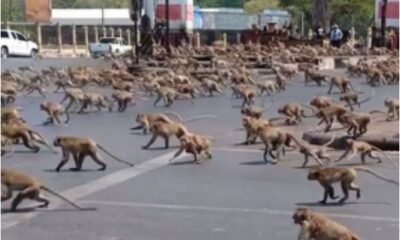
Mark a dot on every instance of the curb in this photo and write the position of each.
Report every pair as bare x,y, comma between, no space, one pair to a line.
381,141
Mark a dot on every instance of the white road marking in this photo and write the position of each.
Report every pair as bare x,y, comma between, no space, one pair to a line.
235,210
11,219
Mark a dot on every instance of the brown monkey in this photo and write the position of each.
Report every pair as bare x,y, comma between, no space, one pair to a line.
123,98
75,95
80,147
96,99
252,111
29,187
35,86
393,108
146,120
248,94
321,102
166,130
352,99
53,110
211,86
194,144
358,122
9,114
168,95
317,152
312,75
328,114
365,149
345,175
267,86
251,126
342,83
316,226
294,111
5,141
187,89
15,132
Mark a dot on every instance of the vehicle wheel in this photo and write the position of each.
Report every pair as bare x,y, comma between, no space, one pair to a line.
4,52
33,53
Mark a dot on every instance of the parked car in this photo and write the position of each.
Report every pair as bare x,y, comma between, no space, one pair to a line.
112,45
14,43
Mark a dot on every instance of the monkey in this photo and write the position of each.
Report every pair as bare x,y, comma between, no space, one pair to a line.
328,114
345,175
358,122
80,147
146,120
29,187
188,89
75,95
316,152
62,84
168,95
252,111
7,98
194,144
365,149
123,98
35,86
251,125
312,75
342,83
169,128
211,86
393,108
267,86
9,114
149,87
248,94
321,102
96,99
54,110
28,136
352,99
294,111
316,226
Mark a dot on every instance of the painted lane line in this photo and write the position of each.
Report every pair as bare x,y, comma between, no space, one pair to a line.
96,185
229,210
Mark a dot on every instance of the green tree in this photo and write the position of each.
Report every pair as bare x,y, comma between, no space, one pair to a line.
257,6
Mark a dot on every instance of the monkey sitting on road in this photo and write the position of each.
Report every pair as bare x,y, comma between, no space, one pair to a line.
365,149
316,226
53,110
345,175
196,145
80,147
29,187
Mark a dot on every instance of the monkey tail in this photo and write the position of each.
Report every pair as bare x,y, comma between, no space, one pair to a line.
66,199
198,118
175,115
370,171
330,141
377,111
114,157
312,108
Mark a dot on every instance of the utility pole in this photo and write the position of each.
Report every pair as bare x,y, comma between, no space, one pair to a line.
102,13
167,25
383,21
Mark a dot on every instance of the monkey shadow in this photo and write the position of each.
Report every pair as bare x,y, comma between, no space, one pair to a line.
69,170
36,209
187,162
137,134
255,163
237,106
336,204
353,164
162,148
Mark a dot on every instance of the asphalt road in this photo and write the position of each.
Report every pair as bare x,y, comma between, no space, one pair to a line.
233,196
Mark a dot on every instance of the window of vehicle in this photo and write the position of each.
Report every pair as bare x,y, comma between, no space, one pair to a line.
4,34
14,35
108,40
20,37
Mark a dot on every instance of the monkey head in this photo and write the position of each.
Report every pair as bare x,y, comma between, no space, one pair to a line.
246,121
313,174
349,141
56,142
301,215
140,118
43,105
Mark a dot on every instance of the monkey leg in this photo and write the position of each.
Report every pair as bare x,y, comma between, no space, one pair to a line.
96,158
371,155
26,193
63,161
40,198
343,155
78,159
345,189
354,187
29,144
41,92
330,88
152,140
48,121
208,154
56,116
278,154
7,196
166,139
157,100
69,104
305,160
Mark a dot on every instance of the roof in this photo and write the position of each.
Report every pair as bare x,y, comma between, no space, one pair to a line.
90,16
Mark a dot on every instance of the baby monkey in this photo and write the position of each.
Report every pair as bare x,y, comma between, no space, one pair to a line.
345,175
54,111
29,187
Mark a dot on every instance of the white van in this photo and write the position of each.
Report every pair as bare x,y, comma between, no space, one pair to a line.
14,43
